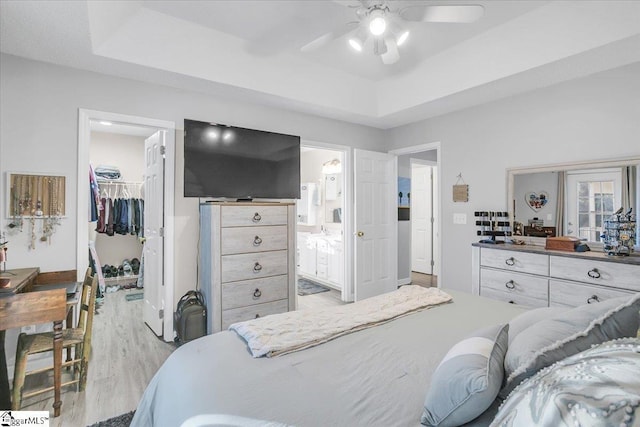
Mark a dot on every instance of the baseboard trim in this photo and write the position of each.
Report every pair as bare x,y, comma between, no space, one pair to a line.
404,281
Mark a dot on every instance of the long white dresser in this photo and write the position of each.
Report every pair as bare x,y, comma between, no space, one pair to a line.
535,277
247,260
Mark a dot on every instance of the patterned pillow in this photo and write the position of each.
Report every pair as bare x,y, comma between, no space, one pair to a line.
599,386
468,379
566,334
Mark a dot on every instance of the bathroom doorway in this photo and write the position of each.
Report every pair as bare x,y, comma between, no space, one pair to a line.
321,251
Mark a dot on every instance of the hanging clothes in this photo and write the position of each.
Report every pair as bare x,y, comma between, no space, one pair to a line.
121,214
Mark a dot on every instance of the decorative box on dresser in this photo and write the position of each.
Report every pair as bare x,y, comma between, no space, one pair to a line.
247,260
535,277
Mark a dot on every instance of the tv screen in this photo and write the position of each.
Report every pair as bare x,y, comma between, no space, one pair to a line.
232,162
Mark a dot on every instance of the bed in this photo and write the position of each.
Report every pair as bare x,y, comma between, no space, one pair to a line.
373,377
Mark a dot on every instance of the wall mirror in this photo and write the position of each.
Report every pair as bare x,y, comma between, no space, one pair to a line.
572,199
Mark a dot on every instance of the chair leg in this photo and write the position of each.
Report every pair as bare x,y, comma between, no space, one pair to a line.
18,377
68,357
84,368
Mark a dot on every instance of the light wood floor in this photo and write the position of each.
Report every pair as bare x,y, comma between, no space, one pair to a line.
125,355
425,280
323,299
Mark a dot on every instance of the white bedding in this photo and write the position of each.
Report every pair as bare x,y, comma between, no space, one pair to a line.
374,377
296,330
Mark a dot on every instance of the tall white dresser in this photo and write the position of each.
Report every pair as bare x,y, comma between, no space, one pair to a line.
247,260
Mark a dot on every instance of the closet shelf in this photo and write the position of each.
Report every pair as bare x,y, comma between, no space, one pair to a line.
111,182
120,279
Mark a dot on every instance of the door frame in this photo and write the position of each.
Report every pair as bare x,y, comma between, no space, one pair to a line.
84,139
438,163
348,289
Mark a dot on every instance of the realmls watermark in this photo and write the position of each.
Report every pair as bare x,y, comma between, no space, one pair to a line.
24,418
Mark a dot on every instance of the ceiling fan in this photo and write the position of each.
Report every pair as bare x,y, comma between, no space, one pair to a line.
382,24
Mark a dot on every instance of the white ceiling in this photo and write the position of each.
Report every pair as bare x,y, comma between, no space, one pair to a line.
251,50
121,128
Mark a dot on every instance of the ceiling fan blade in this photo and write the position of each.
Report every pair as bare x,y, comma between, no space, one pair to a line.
452,13
328,37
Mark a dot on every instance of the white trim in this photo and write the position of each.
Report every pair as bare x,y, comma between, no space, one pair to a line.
438,163
405,281
84,138
348,288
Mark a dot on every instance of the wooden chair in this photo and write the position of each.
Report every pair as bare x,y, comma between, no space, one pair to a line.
78,338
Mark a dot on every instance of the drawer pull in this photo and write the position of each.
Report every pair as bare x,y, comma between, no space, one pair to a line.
257,293
594,273
510,261
257,241
256,217
257,315
257,267
510,284
593,299
512,302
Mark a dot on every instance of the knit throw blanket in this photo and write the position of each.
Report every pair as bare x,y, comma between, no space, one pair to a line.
284,333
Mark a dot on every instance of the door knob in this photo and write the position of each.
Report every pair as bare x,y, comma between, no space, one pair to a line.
360,233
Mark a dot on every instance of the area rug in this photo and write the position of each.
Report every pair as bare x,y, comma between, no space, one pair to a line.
308,287
133,297
123,420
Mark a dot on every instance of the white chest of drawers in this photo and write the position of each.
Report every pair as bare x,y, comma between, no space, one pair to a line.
247,261
535,277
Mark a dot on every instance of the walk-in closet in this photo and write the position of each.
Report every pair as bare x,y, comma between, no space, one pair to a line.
116,227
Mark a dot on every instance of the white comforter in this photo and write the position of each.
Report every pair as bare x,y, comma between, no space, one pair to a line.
284,333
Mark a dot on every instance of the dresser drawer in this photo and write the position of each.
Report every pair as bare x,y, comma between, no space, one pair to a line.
571,294
237,216
239,240
612,274
522,262
515,284
512,298
252,312
254,291
253,266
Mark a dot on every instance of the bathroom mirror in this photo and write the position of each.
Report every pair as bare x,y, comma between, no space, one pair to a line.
572,199
332,186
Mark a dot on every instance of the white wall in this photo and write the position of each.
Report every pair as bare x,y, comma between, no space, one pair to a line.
39,132
595,117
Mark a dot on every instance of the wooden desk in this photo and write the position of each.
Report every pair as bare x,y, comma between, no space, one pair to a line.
28,308
21,280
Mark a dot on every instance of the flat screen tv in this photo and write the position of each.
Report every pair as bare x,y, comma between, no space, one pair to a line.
231,162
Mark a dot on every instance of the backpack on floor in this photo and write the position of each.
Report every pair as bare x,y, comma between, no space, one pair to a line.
190,317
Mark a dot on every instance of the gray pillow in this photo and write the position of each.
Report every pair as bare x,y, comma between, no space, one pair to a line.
597,387
548,341
468,379
528,318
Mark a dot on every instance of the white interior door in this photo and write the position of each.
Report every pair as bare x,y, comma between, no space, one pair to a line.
376,232
153,231
421,219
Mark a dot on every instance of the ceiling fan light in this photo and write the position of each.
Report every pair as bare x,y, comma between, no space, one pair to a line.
402,38
377,26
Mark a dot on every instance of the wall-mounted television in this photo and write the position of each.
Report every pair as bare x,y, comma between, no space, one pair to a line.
223,161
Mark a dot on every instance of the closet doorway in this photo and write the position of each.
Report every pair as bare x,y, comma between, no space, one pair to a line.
419,242
131,200
322,220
